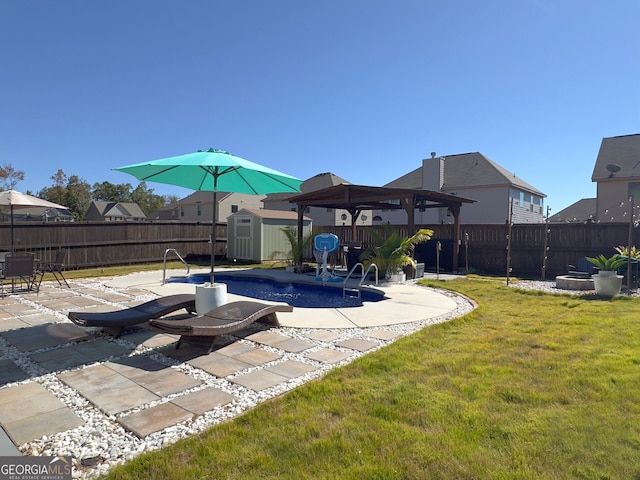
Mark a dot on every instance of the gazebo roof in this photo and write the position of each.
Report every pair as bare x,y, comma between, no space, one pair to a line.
360,197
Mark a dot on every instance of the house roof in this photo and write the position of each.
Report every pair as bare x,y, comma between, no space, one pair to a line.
273,214
119,209
320,181
579,212
619,157
467,170
312,184
201,196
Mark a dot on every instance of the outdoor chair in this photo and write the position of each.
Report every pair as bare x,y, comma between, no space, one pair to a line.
230,317
55,268
18,267
583,269
115,322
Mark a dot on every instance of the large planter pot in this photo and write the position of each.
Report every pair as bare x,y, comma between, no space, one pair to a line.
210,296
607,284
397,277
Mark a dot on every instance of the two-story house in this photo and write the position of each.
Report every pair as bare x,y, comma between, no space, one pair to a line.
499,194
321,216
617,176
198,206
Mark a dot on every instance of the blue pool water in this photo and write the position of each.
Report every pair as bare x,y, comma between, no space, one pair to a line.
295,294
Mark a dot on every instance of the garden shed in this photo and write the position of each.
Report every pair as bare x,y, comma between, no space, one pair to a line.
256,234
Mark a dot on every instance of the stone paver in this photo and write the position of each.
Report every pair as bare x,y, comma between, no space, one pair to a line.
291,368
385,335
104,387
29,411
282,342
153,376
10,372
327,355
78,354
323,336
219,365
154,419
204,400
358,344
259,380
42,336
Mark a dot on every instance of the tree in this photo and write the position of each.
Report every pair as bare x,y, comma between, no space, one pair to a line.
10,176
78,197
109,192
72,192
146,199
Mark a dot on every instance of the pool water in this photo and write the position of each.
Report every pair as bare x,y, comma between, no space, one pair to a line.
302,295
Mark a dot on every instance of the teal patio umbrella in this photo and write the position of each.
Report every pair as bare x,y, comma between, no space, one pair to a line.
214,170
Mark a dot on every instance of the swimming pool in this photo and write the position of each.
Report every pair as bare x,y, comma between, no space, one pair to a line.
304,295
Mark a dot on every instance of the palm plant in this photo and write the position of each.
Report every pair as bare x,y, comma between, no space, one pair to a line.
394,251
608,264
297,248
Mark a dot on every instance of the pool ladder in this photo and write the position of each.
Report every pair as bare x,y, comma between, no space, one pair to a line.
164,263
356,290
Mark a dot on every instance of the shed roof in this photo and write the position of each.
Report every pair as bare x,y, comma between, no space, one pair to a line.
272,214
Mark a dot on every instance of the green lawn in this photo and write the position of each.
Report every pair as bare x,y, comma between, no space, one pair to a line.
527,386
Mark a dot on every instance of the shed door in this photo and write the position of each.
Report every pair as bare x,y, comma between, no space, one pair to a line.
243,237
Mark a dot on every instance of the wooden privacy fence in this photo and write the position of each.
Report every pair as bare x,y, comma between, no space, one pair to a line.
95,244
483,248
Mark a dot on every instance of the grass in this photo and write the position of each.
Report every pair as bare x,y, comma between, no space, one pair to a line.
529,385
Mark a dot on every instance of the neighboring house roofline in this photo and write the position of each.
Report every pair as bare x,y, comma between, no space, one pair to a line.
617,158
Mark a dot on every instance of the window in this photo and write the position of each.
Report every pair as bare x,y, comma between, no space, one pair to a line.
633,190
182,211
199,210
234,208
329,210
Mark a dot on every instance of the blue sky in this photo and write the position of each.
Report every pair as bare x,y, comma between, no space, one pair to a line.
362,88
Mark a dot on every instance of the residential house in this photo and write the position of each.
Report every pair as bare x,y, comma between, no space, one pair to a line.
115,212
198,207
319,215
500,195
582,211
617,176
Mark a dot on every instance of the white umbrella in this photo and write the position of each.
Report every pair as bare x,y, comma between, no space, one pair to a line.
15,199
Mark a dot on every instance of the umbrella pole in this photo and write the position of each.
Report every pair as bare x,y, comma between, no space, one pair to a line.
11,228
213,229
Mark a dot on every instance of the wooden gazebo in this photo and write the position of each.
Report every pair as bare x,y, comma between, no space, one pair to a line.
356,198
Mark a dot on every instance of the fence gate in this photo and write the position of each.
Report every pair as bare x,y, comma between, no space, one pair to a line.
243,238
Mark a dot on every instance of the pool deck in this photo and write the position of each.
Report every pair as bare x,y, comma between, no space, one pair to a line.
61,386
405,302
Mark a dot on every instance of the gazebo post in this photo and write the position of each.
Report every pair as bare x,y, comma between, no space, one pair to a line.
300,209
455,210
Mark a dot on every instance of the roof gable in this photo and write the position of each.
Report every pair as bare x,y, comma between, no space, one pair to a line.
618,157
467,170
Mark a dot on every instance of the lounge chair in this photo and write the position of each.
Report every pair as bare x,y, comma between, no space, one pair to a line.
227,318
115,322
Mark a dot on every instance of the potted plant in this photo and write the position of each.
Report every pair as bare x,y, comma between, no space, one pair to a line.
394,252
606,282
